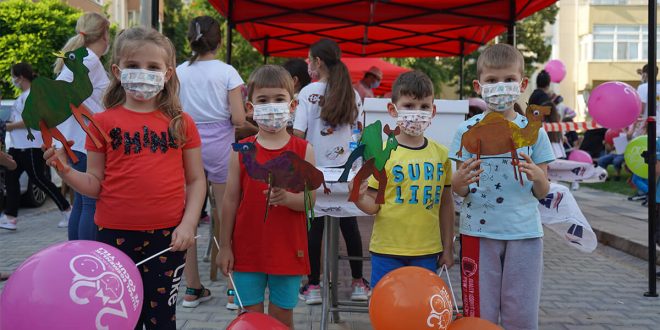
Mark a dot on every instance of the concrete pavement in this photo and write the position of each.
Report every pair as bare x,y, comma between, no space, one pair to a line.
601,290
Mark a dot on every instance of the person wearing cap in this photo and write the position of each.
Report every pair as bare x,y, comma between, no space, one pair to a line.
369,82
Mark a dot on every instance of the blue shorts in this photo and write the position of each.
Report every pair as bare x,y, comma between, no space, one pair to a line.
382,264
283,289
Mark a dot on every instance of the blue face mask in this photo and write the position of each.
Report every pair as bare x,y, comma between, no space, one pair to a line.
375,84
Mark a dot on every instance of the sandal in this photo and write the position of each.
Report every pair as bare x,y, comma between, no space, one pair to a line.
201,295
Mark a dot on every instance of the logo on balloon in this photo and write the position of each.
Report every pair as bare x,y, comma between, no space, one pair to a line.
441,310
99,276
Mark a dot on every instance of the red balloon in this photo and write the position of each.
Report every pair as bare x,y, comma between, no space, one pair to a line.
411,298
255,321
611,134
473,323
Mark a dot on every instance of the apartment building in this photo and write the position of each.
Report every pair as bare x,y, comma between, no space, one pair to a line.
599,41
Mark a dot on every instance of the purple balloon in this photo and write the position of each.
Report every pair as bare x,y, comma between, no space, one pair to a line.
614,105
556,70
580,156
73,285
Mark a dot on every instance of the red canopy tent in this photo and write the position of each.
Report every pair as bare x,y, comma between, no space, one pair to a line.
369,28
358,66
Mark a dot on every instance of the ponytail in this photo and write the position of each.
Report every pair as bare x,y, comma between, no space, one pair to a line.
338,105
90,27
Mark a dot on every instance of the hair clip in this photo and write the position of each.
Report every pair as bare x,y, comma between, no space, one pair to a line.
199,31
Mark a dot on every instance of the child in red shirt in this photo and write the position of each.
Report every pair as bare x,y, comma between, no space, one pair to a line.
270,253
148,179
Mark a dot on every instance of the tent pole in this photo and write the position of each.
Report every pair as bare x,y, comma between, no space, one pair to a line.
230,26
462,71
511,28
651,103
266,49
155,17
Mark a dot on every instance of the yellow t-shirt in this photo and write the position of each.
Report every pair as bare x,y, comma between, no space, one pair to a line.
408,223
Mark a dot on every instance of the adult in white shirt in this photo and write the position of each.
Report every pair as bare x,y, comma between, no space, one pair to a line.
93,32
211,93
643,91
28,156
326,115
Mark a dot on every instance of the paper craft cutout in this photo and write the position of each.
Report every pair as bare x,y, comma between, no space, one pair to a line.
495,135
374,158
51,102
287,171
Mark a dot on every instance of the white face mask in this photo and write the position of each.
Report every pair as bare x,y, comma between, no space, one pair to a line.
15,82
142,84
500,96
272,117
414,122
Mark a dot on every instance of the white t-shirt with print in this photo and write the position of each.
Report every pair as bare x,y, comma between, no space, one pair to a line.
205,87
18,136
331,143
643,91
99,78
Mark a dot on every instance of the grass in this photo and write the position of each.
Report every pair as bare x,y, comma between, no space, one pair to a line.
620,187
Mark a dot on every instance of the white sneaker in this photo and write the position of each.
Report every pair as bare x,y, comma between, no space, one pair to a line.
575,186
361,290
6,223
311,294
231,306
65,219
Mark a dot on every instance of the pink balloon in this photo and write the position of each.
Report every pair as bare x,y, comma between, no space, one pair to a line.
580,156
255,321
614,104
73,285
556,70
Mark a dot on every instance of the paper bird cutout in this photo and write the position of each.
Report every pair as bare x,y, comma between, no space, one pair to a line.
51,102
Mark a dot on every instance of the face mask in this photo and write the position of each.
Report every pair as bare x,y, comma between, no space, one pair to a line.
271,117
375,84
142,84
16,83
414,122
500,96
312,73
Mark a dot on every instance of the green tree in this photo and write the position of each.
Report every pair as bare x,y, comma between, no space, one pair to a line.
30,32
529,40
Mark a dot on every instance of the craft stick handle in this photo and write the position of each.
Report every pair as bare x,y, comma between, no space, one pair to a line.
159,253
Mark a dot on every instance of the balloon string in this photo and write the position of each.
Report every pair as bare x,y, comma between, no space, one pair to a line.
443,269
231,278
159,253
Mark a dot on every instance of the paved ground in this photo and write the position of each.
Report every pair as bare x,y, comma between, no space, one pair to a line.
601,290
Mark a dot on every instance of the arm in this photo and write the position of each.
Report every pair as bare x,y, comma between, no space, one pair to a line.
367,200
7,161
467,172
230,202
87,183
14,125
183,235
294,201
446,215
236,106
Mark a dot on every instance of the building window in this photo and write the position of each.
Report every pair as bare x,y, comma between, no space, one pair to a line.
620,42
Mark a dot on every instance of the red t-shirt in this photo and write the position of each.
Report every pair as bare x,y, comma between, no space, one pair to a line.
144,183
279,245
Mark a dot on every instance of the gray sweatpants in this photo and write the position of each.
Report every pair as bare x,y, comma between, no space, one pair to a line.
507,285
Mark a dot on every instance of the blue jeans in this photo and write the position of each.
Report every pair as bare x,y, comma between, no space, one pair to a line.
614,159
382,264
81,222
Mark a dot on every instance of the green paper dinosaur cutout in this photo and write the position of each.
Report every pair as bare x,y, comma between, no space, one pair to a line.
51,102
374,158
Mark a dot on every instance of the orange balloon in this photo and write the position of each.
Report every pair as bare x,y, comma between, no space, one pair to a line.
473,323
411,298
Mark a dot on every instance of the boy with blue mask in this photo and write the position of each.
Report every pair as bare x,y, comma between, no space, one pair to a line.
500,226
415,225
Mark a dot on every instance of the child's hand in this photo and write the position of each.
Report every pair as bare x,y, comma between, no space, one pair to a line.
467,173
533,171
364,186
183,237
278,196
447,258
51,155
225,260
